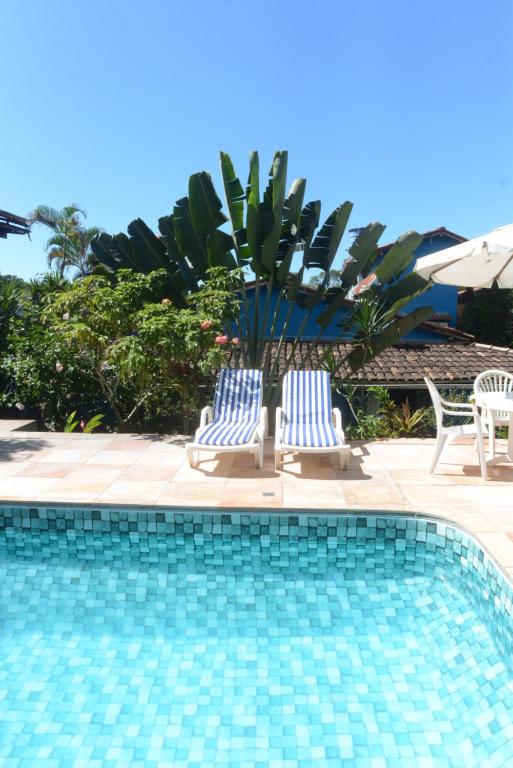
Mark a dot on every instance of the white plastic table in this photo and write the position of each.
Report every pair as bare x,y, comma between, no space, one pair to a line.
495,402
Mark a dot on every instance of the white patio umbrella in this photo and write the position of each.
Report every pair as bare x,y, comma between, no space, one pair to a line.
477,263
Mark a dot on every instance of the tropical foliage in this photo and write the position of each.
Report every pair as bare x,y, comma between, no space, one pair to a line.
69,245
147,318
73,421
11,298
269,230
119,344
390,419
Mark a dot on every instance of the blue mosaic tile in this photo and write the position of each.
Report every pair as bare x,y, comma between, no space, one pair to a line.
168,638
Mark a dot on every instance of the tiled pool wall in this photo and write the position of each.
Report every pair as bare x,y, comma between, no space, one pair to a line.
381,544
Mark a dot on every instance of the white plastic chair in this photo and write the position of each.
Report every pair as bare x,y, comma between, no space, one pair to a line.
443,433
493,381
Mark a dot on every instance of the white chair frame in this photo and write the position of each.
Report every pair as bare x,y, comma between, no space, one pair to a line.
444,433
255,445
493,380
281,448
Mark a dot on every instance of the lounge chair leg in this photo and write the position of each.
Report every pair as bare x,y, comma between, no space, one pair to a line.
344,456
439,445
277,460
193,457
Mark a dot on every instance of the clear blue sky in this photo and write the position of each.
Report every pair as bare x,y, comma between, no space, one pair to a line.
405,108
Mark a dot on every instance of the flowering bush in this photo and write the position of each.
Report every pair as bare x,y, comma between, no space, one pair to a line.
140,350
43,377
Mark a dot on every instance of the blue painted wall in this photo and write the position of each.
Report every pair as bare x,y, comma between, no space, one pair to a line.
443,298
335,329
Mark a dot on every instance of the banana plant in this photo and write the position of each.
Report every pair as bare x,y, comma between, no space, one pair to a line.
267,231
277,226
271,230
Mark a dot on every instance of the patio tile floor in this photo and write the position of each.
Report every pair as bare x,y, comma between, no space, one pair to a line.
152,470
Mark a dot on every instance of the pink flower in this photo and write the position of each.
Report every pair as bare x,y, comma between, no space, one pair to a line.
65,316
20,406
59,367
236,341
104,366
222,340
206,325
82,423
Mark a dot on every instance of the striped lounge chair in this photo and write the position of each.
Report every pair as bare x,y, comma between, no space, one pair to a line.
238,421
306,421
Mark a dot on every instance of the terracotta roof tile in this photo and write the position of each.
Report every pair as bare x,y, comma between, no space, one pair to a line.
405,365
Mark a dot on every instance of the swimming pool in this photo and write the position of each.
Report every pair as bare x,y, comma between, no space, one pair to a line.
142,638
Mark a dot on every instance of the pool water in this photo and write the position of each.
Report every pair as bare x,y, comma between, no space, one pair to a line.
261,643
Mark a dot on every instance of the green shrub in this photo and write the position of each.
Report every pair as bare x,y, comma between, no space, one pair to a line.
390,420
117,344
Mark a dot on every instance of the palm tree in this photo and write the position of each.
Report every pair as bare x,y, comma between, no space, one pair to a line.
42,289
69,246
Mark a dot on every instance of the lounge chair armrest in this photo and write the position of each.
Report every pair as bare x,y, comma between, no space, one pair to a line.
337,419
206,416
455,405
264,421
278,427
476,413
461,414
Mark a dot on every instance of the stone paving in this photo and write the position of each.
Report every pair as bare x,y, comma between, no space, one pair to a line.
152,470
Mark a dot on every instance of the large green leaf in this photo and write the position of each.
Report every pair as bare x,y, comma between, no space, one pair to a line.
218,250
289,235
359,356
207,217
278,174
295,286
116,252
235,195
294,201
205,206
176,288
325,245
398,257
148,247
131,259
338,298
188,274
253,224
102,247
190,245
408,287
361,254
308,222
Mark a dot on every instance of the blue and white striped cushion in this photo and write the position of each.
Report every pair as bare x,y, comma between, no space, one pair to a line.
237,406
307,416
